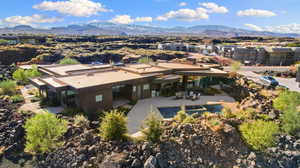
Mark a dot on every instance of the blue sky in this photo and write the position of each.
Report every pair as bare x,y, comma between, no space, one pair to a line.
261,15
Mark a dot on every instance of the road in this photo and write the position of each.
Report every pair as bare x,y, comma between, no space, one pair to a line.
287,82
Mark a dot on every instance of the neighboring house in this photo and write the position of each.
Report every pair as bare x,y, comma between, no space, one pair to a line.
94,88
279,56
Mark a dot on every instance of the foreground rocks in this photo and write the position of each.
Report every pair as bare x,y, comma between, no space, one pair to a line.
12,134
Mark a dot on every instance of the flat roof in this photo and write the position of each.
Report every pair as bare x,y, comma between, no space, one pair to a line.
66,69
101,78
180,66
144,68
54,82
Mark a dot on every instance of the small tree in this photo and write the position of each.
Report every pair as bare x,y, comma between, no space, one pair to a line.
68,61
235,66
8,87
113,126
44,132
153,130
259,134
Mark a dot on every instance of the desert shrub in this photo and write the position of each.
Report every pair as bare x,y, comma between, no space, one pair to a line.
246,114
145,60
113,126
227,113
44,132
153,129
259,134
71,112
189,120
8,87
17,98
286,99
291,120
68,61
22,76
180,116
80,120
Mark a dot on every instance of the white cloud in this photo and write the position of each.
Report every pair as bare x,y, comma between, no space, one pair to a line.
126,19
29,20
256,12
288,28
254,27
143,19
182,4
185,15
79,8
214,8
122,19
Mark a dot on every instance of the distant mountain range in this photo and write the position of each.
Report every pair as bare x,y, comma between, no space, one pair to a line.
105,28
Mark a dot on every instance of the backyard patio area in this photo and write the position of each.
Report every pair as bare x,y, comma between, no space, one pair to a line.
140,111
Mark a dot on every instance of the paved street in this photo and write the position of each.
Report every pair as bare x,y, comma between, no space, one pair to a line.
287,82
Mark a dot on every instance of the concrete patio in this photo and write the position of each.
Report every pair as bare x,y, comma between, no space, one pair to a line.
140,111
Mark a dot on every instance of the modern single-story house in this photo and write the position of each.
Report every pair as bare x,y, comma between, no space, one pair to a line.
93,88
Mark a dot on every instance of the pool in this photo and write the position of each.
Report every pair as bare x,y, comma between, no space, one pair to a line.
170,112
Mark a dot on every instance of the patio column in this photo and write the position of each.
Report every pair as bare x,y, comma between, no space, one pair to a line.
184,82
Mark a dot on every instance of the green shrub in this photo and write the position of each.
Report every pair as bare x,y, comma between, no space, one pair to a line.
145,60
44,132
113,126
180,116
259,134
23,76
189,120
286,99
17,98
68,61
227,113
71,112
291,120
153,130
8,87
247,114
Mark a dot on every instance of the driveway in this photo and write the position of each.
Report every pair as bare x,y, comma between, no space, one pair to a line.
140,111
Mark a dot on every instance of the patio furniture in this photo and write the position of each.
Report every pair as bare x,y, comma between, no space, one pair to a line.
179,95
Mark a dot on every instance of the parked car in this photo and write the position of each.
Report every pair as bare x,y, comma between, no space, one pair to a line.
268,80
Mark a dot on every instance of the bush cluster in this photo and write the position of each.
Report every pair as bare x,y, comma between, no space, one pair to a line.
22,76
113,126
8,87
153,130
288,102
44,133
259,134
68,61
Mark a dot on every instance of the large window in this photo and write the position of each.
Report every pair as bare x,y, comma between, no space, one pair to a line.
99,98
133,88
146,87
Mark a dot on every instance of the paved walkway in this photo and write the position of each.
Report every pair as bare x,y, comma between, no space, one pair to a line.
35,106
140,111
